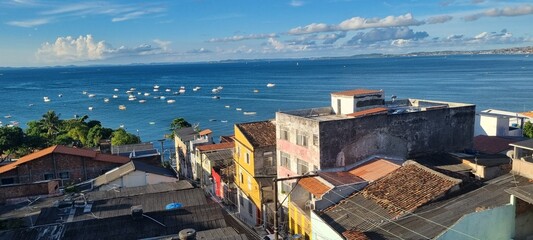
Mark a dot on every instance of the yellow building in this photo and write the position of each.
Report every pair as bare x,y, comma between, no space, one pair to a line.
255,167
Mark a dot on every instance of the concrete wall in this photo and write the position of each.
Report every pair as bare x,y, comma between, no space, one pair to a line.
136,179
523,168
497,223
347,104
344,142
321,230
524,220
244,209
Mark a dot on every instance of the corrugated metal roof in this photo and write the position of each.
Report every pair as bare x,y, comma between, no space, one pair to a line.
314,186
340,178
357,92
374,170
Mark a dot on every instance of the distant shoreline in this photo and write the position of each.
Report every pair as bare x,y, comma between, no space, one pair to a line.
504,51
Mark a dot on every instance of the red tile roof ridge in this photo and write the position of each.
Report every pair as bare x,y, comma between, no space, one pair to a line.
370,111
216,146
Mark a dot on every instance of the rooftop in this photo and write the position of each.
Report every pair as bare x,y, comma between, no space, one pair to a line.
368,112
392,196
527,144
494,144
314,186
216,147
60,149
259,134
357,92
186,134
528,114
430,221
130,167
374,169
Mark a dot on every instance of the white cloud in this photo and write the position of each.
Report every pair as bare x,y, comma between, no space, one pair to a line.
164,45
400,42
72,49
358,23
386,34
30,23
244,37
296,3
438,19
521,10
136,14
200,50
276,44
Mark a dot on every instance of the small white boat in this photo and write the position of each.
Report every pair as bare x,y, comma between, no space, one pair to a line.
132,98
215,97
220,88
156,86
147,94
84,92
142,101
151,123
156,89
106,100
171,101
91,95
223,121
238,109
256,91
90,108
116,89
46,99
115,96
271,85
60,95
129,92
215,90
121,107
162,97
30,105
227,106
182,90
7,116
139,93
249,113
196,88
133,89
121,126
168,90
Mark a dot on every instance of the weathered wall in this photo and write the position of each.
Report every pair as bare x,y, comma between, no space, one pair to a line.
523,168
321,230
26,190
496,223
524,220
343,142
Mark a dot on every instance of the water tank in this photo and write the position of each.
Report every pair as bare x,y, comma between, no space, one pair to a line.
187,234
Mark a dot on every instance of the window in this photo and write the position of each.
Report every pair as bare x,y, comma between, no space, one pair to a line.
284,134
48,176
249,183
303,167
286,187
238,151
268,159
250,209
64,175
247,158
285,160
242,178
6,181
301,139
241,199
315,140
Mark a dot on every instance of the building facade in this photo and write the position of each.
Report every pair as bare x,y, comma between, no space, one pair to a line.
255,149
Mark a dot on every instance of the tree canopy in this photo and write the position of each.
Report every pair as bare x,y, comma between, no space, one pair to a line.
51,130
528,129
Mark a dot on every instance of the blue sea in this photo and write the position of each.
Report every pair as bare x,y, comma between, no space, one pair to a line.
489,81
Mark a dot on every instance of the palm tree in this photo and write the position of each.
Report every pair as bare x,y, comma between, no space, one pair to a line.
50,122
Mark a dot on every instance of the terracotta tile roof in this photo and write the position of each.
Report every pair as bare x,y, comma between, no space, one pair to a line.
374,170
353,234
528,114
367,112
260,134
340,178
408,188
205,132
492,144
314,186
214,147
68,151
227,138
357,92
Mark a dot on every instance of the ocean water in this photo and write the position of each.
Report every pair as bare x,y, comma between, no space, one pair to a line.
489,81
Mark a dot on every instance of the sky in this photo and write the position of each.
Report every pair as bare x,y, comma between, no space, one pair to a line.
49,33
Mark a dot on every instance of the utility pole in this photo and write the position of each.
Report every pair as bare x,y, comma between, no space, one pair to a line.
278,205
162,150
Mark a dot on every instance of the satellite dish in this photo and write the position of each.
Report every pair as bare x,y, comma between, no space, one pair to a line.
393,97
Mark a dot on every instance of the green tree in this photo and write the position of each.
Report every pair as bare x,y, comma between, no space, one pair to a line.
179,123
121,137
79,133
528,129
50,121
11,138
94,136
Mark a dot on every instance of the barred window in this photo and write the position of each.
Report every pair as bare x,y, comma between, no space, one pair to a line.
315,140
268,157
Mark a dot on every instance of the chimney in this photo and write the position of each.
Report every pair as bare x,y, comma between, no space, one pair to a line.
137,212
